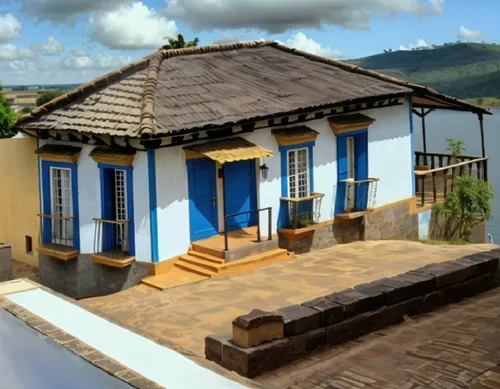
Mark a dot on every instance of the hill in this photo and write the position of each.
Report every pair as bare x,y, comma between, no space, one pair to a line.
463,70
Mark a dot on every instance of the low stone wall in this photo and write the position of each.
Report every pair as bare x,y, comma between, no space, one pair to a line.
339,317
80,277
5,262
395,223
321,237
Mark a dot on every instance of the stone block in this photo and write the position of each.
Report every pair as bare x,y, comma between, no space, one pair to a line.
448,273
354,302
257,327
412,307
5,262
213,348
367,322
374,291
301,345
299,319
419,283
482,284
399,290
330,311
486,262
337,333
252,361
432,301
455,292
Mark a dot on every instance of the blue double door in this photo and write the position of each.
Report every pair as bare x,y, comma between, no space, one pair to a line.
352,162
240,196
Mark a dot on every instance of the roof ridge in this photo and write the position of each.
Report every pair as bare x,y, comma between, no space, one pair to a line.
370,73
86,89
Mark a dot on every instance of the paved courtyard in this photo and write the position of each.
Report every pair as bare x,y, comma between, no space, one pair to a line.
454,347
182,317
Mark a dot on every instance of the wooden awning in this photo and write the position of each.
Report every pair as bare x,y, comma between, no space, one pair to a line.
59,153
227,150
294,135
113,156
347,123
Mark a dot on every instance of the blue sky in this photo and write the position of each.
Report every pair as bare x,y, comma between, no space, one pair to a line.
66,41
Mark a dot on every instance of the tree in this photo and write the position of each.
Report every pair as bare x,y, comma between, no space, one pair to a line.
180,43
46,97
457,147
469,201
7,117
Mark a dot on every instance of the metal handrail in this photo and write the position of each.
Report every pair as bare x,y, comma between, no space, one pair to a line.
120,229
269,214
312,196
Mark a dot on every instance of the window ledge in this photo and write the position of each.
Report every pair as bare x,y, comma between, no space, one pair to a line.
353,215
64,253
105,260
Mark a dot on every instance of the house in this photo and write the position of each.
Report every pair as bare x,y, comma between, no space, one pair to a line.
204,159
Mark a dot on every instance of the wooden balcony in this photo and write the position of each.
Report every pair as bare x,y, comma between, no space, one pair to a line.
56,238
359,197
436,174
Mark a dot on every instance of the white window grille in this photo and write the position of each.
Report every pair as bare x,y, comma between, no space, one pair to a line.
298,173
62,209
121,208
351,168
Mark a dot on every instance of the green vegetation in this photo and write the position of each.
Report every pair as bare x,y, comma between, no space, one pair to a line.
180,43
486,101
434,242
463,70
468,204
456,147
7,117
46,97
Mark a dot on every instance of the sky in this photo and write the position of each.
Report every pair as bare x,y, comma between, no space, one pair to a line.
74,41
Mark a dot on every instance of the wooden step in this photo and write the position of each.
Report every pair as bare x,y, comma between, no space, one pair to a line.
218,253
199,262
254,261
207,257
189,267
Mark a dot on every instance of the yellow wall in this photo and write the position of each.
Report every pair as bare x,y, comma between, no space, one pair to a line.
19,197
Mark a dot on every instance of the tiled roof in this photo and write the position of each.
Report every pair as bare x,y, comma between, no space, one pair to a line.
175,91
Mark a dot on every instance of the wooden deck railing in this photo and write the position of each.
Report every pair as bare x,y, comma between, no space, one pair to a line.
441,180
111,238
440,160
302,210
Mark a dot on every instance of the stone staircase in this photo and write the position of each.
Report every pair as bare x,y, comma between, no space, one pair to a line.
201,263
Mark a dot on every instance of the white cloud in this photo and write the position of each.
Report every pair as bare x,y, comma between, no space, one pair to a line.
10,52
51,47
300,41
72,69
80,53
469,35
277,16
132,27
66,11
10,28
420,44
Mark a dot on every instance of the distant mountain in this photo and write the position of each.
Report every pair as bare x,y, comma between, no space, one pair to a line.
463,70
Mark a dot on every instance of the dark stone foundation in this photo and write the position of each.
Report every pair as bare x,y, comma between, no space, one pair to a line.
80,277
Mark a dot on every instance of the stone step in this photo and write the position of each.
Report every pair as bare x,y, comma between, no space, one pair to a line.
218,253
206,257
254,261
199,262
189,267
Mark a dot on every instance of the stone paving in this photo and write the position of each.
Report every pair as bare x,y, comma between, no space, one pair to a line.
182,317
23,270
454,347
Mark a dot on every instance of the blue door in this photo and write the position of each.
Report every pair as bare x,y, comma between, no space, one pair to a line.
202,198
361,170
342,172
240,193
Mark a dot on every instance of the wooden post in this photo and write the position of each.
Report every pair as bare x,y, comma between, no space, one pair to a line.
424,138
483,148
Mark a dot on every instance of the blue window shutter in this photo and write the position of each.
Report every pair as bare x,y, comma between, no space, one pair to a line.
361,173
342,174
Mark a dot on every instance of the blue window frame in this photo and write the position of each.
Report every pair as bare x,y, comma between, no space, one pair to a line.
60,200
357,157
292,187
117,204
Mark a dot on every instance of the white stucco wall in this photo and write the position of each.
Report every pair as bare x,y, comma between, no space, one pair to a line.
141,208
389,159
